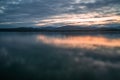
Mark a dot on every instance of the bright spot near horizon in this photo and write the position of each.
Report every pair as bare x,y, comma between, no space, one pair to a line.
80,19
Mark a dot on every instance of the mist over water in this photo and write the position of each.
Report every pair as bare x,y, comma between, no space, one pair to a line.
59,56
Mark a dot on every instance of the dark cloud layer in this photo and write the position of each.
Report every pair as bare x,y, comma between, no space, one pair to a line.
29,11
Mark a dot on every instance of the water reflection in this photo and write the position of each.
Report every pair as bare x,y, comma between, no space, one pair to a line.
89,42
55,56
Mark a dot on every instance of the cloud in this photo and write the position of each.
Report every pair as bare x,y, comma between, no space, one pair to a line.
26,10
80,19
84,1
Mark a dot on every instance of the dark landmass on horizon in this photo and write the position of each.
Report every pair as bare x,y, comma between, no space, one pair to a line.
61,29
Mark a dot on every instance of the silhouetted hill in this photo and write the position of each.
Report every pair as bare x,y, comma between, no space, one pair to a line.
63,28
75,28
85,28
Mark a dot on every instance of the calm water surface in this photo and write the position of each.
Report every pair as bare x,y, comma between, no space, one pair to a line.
59,56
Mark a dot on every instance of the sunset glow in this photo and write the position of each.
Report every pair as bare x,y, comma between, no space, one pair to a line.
59,39
57,13
80,19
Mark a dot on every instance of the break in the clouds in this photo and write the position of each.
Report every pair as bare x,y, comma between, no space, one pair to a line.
16,13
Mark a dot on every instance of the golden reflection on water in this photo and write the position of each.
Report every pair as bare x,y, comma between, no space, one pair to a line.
89,42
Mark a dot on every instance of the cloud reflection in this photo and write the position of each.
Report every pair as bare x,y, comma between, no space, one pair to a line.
88,42
59,55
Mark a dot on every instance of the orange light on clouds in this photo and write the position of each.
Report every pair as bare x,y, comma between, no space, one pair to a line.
80,19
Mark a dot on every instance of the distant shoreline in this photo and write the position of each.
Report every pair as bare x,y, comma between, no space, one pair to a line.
55,30
59,30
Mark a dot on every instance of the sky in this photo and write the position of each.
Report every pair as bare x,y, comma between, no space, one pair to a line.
40,13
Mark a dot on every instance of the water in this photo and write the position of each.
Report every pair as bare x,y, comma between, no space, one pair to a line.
59,56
